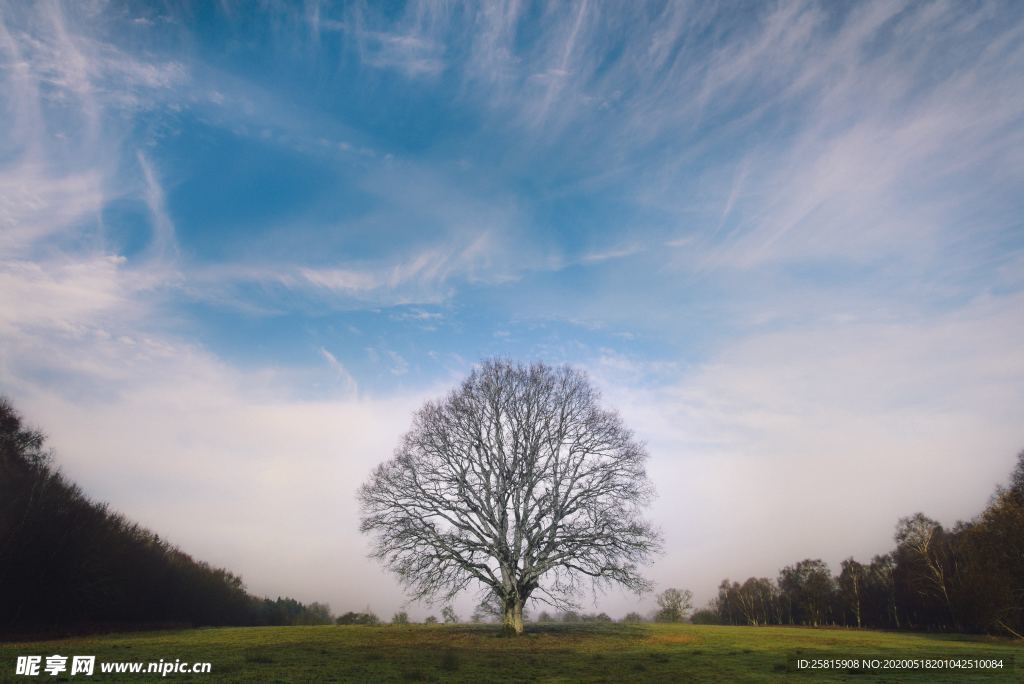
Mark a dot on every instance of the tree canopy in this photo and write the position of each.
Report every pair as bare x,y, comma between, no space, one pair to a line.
674,605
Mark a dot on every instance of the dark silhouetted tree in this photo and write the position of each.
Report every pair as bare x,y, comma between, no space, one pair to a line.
880,592
364,618
925,552
673,605
991,551
706,616
807,588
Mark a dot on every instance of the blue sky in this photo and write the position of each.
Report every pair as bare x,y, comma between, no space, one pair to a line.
240,244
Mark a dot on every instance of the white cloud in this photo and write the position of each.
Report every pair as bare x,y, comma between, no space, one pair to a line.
279,475
60,295
346,280
812,442
164,243
348,382
407,45
36,203
620,252
399,366
421,277
412,55
66,91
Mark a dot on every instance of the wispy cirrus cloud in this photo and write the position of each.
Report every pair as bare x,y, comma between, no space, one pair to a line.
428,271
163,242
412,55
349,383
407,45
37,202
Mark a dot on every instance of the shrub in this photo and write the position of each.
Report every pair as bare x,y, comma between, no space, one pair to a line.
351,618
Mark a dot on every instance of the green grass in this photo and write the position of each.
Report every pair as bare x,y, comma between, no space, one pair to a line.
549,653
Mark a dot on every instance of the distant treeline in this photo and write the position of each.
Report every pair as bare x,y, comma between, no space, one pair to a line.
969,578
69,563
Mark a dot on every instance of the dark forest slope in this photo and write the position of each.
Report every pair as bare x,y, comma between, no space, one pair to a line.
69,563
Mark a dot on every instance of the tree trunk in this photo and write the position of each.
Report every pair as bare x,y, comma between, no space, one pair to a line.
856,591
513,620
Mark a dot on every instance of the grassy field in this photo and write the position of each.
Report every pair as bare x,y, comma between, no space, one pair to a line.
556,653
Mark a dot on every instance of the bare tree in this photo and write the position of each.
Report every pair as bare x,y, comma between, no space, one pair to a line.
449,616
674,605
519,483
851,587
806,588
881,578
758,600
926,545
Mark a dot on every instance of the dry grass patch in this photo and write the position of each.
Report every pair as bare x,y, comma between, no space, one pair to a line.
673,639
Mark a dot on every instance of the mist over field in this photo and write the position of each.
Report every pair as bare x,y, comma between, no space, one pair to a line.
239,248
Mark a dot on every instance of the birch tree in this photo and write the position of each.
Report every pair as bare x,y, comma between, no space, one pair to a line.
518,483
925,544
851,587
674,605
